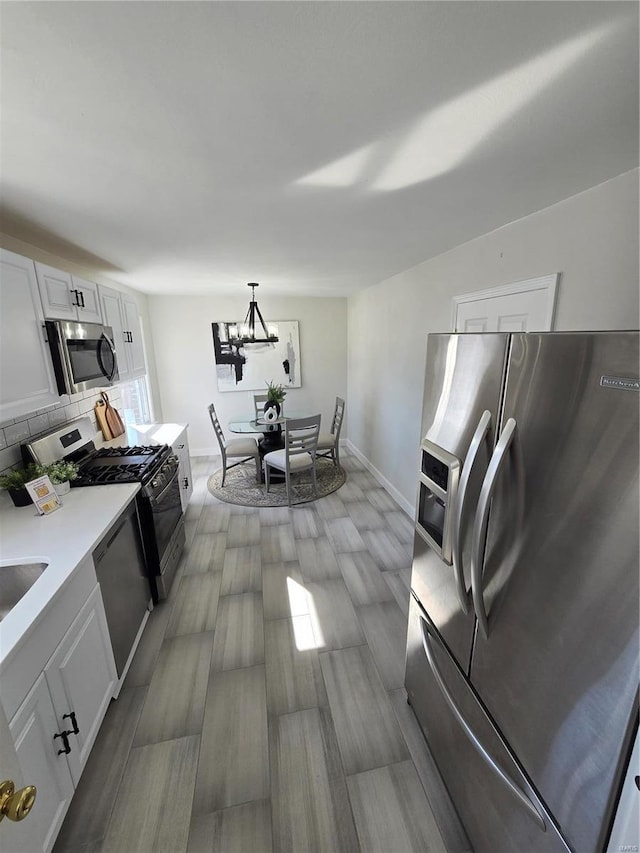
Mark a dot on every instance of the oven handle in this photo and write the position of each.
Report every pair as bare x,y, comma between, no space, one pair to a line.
158,498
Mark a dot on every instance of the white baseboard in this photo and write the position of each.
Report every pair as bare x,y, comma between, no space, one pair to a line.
400,499
204,451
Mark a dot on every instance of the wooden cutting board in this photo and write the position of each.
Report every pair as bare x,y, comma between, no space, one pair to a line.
114,421
101,419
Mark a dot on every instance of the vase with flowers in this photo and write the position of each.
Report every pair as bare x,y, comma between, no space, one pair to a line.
275,398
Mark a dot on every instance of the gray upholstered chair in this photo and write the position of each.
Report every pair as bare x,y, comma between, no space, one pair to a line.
298,453
328,442
247,448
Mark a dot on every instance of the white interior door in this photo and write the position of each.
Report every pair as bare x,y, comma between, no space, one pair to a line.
526,306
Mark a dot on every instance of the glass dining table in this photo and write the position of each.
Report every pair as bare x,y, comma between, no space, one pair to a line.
271,437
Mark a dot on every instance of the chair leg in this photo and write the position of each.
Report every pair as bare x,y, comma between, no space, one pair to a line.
266,476
336,455
315,484
224,470
288,482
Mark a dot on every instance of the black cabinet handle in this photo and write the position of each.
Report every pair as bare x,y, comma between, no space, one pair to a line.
65,740
185,483
72,716
81,295
77,302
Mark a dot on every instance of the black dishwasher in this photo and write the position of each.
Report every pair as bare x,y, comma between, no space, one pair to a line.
121,572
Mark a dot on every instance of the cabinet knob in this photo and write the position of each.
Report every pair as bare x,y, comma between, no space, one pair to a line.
16,805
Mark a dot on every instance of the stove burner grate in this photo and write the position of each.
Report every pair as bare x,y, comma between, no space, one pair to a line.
121,465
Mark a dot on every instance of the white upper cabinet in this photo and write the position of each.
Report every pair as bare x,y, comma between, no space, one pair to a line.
134,333
112,314
87,295
27,381
120,311
67,297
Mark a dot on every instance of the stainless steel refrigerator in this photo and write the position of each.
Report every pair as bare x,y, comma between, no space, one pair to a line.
523,646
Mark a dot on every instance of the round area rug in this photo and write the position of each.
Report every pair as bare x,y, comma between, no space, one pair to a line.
240,485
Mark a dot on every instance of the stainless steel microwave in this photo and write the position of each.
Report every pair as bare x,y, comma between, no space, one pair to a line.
83,355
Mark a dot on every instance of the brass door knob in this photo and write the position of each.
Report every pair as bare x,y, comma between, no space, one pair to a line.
16,805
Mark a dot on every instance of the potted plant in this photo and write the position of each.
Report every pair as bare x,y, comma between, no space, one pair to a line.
60,473
14,482
275,398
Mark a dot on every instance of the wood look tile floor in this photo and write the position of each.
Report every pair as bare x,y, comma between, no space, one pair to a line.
264,710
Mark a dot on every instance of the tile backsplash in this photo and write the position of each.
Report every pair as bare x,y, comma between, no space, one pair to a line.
17,431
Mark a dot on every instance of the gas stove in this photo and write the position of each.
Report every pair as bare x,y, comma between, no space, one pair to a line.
122,465
158,504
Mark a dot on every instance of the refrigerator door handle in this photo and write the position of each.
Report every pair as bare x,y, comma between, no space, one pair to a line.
456,535
479,536
515,789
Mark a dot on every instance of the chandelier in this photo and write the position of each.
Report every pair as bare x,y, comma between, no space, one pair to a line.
254,330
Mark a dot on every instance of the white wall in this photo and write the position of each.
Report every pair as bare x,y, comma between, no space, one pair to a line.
186,366
591,239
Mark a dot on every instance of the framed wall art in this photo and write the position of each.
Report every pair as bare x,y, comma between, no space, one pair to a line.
249,367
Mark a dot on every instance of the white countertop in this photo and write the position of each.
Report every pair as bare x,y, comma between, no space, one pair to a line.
64,538
150,434
61,539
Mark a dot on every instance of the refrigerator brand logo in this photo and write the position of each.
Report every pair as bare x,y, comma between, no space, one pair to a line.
620,382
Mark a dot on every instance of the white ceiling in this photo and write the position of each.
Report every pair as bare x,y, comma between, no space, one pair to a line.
314,147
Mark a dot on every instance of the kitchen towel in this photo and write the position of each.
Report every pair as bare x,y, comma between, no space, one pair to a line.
108,418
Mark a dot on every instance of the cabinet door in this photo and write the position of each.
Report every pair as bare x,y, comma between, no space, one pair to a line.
27,382
81,675
181,448
15,836
112,316
59,298
131,317
33,728
89,303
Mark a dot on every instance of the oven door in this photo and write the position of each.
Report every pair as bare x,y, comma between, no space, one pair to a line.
166,512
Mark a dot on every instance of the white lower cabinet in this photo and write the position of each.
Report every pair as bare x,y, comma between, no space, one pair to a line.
32,729
57,723
181,449
81,676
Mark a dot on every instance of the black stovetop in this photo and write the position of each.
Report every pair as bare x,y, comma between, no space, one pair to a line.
121,465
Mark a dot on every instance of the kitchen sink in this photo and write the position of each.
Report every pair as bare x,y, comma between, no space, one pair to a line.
15,580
